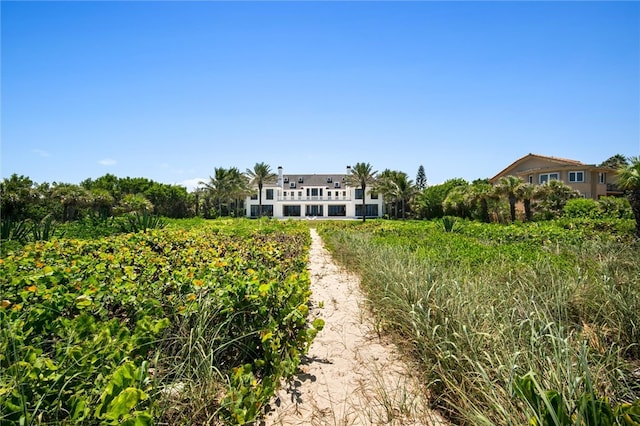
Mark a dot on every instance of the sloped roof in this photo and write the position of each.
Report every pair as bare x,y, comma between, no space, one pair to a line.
557,160
312,180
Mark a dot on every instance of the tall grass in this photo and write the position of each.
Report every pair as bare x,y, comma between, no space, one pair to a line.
570,314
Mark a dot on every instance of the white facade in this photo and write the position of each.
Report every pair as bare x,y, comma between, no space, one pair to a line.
318,196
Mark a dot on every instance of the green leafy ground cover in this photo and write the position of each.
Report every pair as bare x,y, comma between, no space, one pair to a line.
485,309
185,325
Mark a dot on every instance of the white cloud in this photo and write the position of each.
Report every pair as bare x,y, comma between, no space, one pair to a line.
192,184
108,162
41,152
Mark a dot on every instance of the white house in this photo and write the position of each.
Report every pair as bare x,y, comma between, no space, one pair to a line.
326,196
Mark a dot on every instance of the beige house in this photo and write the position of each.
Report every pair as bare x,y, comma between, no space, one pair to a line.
590,180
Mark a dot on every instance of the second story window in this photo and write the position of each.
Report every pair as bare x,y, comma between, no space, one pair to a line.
359,194
546,177
602,177
269,194
576,176
373,195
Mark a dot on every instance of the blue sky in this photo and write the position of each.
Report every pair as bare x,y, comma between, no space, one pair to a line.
170,90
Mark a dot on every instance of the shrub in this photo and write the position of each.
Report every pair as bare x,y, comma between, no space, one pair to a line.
581,208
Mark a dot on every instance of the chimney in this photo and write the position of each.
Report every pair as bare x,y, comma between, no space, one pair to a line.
348,170
280,180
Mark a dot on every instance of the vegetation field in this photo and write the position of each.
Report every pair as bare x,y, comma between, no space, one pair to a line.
189,324
535,323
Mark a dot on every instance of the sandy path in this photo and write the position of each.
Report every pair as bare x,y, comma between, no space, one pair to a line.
350,376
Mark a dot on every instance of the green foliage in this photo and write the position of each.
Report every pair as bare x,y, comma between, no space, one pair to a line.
615,208
95,331
477,308
584,208
550,409
14,230
136,222
429,202
449,223
45,229
92,226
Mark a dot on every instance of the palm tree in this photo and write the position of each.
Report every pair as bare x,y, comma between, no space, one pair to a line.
218,186
238,187
362,174
259,175
509,186
456,201
396,187
629,180
387,187
526,192
405,190
480,192
552,196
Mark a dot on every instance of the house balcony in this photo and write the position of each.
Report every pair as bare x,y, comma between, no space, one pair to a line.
612,188
313,198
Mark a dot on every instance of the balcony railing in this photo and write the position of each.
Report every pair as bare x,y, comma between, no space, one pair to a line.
314,198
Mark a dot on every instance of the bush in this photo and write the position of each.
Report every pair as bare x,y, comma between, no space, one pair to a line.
582,208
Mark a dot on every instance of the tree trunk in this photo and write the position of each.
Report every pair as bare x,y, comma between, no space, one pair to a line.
512,207
259,201
527,209
634,200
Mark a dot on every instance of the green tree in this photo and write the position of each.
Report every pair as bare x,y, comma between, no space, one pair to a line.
131,203
509,186
16,194
239,189
478,196
629,180
396,189
73,199
615,162
428,203
456,202
362,174
552,196
421,179
258,176
526,192
102,202
218,187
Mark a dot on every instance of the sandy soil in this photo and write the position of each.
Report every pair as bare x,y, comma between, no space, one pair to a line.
350,376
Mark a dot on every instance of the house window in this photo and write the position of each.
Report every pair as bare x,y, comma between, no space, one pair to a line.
336,184
269,194
371,210
329,180
329,194
576,176
313,210
300,180
254,196
291,211
531,179
373,195
602,177
299,194
344,193
314,192
267,210
292,185
546,177
359,194
286,180
340,210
